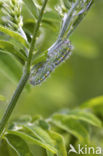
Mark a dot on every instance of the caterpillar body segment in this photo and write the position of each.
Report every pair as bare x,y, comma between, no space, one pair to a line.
58,53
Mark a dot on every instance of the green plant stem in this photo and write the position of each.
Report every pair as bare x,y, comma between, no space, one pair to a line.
13,101
67,22
24,77
35,33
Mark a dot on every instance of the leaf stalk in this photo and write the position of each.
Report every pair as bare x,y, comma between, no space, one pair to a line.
24,77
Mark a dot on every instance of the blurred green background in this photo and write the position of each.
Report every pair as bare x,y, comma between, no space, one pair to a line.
75,81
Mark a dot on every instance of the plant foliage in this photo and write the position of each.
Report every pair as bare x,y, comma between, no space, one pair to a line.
41,131
16,40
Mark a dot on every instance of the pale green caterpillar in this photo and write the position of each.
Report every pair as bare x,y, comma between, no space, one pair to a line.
58,53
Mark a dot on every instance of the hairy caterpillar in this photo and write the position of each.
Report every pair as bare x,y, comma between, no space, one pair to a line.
58,53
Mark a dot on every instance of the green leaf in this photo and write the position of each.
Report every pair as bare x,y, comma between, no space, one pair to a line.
43,136
4,148
19,47
70,125
51,20
32,8
24,120
93,102
59,142
51,141
10,68
9,48
15,35
13,54
39,133
18,145
38,59
30,136
49,25
83,115
51,16
49,153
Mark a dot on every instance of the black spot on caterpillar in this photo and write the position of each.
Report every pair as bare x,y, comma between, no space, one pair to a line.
58,53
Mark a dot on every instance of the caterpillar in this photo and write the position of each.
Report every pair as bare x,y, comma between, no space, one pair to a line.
58,53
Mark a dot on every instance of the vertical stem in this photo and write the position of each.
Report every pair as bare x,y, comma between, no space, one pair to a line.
13,101
24,77
35,33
